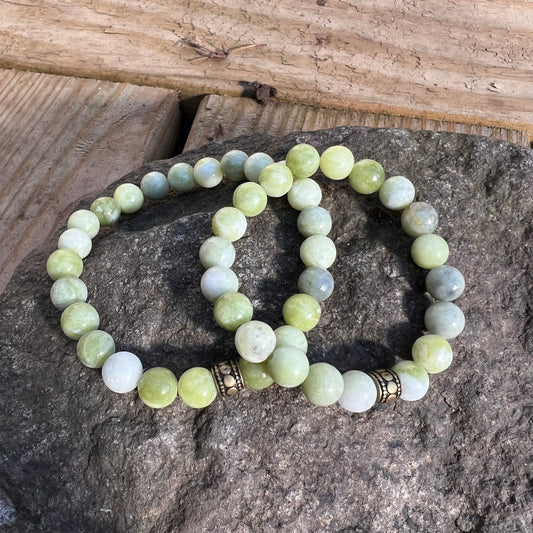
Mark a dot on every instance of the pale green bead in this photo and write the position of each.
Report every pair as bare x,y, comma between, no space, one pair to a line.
303,160
154,185
336,162
232,165
397,193
304,193
255,164
318,250
217,251
180,177
291,336
413,378
366,176
77,240
250,198
255,341
207,172
196,387
129,197
95,347
276,179
314,221
360,392
85,220
432,352
429,251
255,375
218,280
67,291
419,218
445,283
106,209
64,263
324,384
78,319
444,319
158,387
301,311
230,223
288,366
232,310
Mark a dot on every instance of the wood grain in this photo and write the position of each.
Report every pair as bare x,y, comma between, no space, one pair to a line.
62,138
458,61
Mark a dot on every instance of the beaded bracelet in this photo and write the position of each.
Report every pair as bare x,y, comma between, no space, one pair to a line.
281,356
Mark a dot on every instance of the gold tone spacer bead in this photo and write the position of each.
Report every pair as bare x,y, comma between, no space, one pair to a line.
387,383
228,377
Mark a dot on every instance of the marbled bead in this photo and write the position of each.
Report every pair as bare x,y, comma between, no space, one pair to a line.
232,310
336,162
79,318
106,209
217,251
121,372
317,282
255,341
66,291
288,366
180,177
76,240
207,172
413,378
95,347
255,375
197,388
218,280
276,179
445,283
85,220
314,221
64,263
396,193
304,193
419,218
323,385
318,250
129,197
291,336
157,387
255,164
230,223
432,352
154,185
250,198
429,251
301,311
232,165
444,319
303,160
359,393
366,176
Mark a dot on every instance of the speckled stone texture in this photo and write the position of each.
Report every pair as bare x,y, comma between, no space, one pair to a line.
77,458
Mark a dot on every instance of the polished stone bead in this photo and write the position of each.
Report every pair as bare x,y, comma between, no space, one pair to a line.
413,378
336,162
301,311
366,176
255,341
304,193
360,392
318,250
445,283
230,223
64,263
197,388
232,165
419,218
255,375
158,387
303,160
154,185
217,251
291,336
444,319
76,240
180,177
432,352
396,193
314,221
288,366
250,198
323,385
232,310
255,164
106,209
276,179
95,347
317,282
122,371
217,281
85,220
129,197
66,291
429,251
207,172
79,318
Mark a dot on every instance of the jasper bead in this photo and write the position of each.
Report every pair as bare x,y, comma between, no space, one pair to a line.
85,220
66,291
255,164
232,310
429,251
255,341
396,193
359,393
419,218
432,352
76,240
301,311
230,223
122,371
336,162
232,165
78,319
413,378
324,384
250,198
288,366
180,177
276,179
317,282
255,375
318,250
445,283
366,176
154,185
129,197
314,221
197,388
106,209
217,251
64,263
291,336
303,160
157,387
444,319
95,347
207,172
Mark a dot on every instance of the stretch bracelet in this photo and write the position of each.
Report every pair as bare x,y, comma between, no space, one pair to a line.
267,355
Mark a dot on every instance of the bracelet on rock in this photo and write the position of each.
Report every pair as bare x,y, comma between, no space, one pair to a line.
267,355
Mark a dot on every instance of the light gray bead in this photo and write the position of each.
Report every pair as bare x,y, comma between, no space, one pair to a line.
445,283
316,282
444,319
419,218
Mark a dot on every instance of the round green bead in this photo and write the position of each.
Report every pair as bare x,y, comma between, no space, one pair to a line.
207,172
304,193
255,164
324,384
319,251
129,197
106,209
303,160
419,218
158,387
232,310
250,198
396,193
336,162
78,319
301,311
217,251
291,336
429,251
288,366
230,223
366,176
413,379
180,177
276,179
255,375
64,263
95,347
432,352
232,165
196,387
85,220
67,291
314,221
154,185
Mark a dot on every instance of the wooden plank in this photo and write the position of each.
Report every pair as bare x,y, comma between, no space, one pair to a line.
62,138
453,61
222,117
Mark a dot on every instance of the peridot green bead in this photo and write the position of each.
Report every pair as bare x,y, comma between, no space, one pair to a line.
429,251
95,347
232,310
276,179
180,177
336,162
432,352
196,387
78,319
301,311
106,209
232,165
229,222
129,197
288,366
291,336
303,160
255,375
158,387
319,251
63,263
366,176
324,384
250,198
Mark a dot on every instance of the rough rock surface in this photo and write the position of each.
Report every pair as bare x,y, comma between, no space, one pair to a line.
77,458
